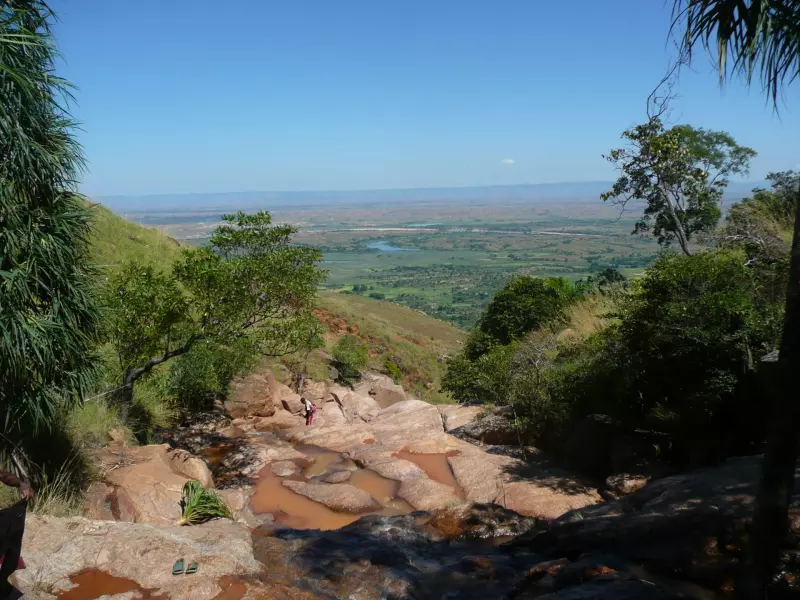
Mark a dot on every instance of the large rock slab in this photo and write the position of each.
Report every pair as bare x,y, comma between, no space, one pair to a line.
145,484
693,523
381,387
359,407
340,497
56,549
531,487
491,429
425,494
455,416
251,395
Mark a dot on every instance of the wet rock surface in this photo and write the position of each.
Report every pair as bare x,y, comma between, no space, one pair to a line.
445,518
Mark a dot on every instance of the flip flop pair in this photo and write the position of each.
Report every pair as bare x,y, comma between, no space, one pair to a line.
178,568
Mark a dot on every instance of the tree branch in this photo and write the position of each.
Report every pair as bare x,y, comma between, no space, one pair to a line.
135,373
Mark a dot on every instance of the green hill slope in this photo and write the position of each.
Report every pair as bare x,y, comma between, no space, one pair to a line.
117,240
416,343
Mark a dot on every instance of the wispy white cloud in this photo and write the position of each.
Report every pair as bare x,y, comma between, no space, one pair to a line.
508,161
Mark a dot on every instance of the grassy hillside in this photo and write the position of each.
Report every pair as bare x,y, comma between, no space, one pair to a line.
415,342
116,240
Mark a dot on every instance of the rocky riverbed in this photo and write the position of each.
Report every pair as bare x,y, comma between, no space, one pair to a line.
381,498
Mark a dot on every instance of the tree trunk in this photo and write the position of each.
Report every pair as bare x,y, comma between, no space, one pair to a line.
771,518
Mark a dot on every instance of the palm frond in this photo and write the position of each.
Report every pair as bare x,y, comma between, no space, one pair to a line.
748,37
201,505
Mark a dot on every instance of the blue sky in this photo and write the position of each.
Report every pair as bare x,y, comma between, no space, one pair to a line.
193,96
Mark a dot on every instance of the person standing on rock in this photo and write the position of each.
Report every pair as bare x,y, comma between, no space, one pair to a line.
12,526
310,410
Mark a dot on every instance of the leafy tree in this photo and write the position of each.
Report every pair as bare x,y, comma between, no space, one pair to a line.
523,305
351,357
48,315
761,37
680,173
485,378
762,224
690,335
250,282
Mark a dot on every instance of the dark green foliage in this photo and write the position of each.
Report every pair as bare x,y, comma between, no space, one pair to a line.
393,370
250,288
350,357
680,173
690,334
48,317
485,378
377,295
762,226
204,373
523,305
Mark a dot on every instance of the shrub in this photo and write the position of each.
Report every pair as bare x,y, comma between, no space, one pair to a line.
523,305
393,370
690,333
350,357
377,295
486,379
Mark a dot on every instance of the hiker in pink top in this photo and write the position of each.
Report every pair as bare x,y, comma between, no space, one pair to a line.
311,408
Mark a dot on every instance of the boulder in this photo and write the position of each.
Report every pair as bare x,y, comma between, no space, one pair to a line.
381,387
190,466
139,555
251,395
146,484
337,477
360,407
694,524
292,402
455,416
531,487
340,497
330,413
492,429
284,468
316,391
625,483
282,419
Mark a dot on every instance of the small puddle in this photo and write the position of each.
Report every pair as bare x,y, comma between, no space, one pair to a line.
435,466
91,584
294,510
382,489
231,589
325,461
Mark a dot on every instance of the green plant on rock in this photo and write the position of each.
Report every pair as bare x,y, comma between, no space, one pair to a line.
201,505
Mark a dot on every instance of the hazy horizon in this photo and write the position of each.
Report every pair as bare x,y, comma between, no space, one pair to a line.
566,191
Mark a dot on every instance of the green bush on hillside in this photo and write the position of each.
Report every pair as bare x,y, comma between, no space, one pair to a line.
523,305
350,357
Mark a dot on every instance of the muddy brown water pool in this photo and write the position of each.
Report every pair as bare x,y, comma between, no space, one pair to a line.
298,512
435,466
93,583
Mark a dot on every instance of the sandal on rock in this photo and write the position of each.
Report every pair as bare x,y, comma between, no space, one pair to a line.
192,568
177,568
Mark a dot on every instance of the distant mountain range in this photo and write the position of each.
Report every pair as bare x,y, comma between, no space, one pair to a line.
577,192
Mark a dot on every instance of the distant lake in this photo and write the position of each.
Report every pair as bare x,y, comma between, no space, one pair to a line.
386,247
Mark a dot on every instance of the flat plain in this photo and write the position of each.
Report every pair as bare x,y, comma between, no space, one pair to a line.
445,258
